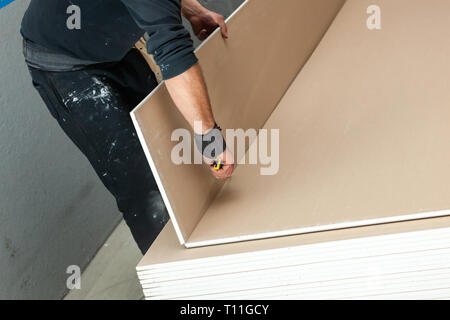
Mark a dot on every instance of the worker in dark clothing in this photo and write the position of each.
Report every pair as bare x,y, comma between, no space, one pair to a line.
90,78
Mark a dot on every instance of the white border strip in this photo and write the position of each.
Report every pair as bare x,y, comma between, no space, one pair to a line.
147,150
342,225
157,178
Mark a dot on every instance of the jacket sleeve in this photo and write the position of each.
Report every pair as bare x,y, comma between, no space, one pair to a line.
169,41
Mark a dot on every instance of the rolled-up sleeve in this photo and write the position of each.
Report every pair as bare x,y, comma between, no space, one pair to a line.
169,42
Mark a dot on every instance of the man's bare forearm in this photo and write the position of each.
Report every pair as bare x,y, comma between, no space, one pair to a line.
188,91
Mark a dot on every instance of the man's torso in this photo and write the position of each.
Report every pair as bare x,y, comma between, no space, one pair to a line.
106,30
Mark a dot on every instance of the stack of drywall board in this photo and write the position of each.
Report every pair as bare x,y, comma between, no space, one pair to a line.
398,260
362,115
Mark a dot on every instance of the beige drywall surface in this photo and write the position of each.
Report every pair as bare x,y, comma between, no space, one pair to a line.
246,77
363,131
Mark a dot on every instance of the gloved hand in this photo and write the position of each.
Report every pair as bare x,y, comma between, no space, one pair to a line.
223,166
215,153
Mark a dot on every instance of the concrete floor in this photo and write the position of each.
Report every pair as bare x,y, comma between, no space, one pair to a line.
112,274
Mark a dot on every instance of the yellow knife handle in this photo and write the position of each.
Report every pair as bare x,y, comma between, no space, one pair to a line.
218,164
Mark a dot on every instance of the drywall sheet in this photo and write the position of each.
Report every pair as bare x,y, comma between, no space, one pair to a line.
246,75
427,294
166,249
312,272
319,254
364,134
321,288
368,288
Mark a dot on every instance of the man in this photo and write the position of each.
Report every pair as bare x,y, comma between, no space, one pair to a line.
90,78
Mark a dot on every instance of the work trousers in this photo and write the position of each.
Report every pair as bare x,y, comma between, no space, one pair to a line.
92,106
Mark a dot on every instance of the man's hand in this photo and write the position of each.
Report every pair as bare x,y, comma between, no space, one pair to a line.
203,21
227,165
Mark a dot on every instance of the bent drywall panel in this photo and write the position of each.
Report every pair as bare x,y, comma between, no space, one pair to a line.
246,75
363,127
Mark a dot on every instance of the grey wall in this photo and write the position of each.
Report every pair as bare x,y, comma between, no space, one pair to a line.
54,212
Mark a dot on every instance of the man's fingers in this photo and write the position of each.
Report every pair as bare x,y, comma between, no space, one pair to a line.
223,27
223,173
202,35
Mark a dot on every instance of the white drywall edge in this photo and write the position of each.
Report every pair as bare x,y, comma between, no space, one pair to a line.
327,227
